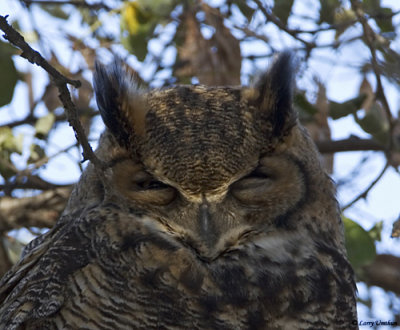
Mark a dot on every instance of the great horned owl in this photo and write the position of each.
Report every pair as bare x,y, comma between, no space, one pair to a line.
217,215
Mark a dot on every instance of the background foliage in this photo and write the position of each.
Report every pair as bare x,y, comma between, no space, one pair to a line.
348,82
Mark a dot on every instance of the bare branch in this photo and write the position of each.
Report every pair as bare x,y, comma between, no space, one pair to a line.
29,182
94,6
272,18
364,194
350,144
25,179
61,82
371,40
33,56
344,24
384,272
38,211
31,120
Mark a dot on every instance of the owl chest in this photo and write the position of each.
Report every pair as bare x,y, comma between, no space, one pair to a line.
153,284
150,283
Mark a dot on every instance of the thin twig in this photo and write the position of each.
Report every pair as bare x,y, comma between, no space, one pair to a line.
61,82
344,24
371,39
366,191
32,55
269,16
94,6
355,173
30,119
250,33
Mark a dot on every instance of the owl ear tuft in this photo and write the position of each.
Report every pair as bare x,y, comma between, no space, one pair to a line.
275,93
120,99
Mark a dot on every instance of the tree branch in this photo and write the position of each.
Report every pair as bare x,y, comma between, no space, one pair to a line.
38,211
384,272
372,40
94,6
29,182
350,144
272,18
32,55
31,120
61,82
366,191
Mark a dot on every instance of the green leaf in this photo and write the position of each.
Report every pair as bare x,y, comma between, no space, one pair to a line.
55,10
7,170
9,74
43,125
8,145
137,26
282,9
344,19
301,101
18,143
87,16
327,11
339,110
138,21
9,142
159,8
384,20
36,153
359,244
375,123
371,6
132,16
136,44
382,15
376,230
391,66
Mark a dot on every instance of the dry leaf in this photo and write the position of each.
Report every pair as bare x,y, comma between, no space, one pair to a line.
216,61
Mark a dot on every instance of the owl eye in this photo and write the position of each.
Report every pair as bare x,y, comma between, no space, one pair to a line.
267,186
259,173
152,184
140,186
259,177
146,189
253,188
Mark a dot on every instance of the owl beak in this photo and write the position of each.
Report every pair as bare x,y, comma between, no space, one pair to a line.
205,223
204,217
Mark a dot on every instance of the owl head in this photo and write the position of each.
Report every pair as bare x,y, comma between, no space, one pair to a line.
197,139
213,163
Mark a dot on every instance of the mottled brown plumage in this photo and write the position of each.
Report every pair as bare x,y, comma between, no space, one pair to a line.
217,215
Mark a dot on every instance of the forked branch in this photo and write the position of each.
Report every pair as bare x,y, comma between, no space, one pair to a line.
60,81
